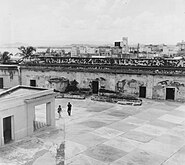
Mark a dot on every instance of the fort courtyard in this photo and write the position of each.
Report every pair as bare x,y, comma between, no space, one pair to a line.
100,133
92,82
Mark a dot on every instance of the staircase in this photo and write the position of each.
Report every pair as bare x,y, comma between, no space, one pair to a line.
37,125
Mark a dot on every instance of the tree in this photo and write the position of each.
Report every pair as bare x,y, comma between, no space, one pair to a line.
72,86
26,52
5,57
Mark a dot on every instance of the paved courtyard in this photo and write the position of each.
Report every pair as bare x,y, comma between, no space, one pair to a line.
100,133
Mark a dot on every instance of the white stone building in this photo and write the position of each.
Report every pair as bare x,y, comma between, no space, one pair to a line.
17,112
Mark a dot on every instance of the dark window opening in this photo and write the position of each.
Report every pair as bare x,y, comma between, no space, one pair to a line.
33,83
142,92
1,83
95,87
7,132
170,93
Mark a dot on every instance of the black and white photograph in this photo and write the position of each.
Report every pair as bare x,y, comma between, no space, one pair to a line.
92,82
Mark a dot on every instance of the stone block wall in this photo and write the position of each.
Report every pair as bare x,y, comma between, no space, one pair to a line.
161,83
130,82
156,85
10,77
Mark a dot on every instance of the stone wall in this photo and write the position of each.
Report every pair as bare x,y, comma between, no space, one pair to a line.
83,78
125,83
156,85
163,82
10,76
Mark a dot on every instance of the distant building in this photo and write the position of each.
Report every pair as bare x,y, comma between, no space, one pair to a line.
181,46
120,48
169,50
117,44
134,49
124,46
66,49
152,48
116,52
82,50
181,49
92,50
105,51
75,51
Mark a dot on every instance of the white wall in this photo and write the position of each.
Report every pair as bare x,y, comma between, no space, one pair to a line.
19,117
10,77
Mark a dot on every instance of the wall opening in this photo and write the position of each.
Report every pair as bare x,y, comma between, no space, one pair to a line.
7,129
33,83
1,83
170,93
40,117
142,92
95,87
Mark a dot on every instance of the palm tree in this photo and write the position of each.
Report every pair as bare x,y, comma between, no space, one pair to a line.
26,52
5,57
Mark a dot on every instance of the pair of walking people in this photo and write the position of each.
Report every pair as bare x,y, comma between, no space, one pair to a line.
68,109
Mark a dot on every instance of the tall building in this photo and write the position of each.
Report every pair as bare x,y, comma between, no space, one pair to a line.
75,52
124,46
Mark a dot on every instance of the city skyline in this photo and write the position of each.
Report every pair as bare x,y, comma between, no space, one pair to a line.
63,22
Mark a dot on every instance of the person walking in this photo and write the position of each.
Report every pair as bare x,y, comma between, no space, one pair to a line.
69,108
59,111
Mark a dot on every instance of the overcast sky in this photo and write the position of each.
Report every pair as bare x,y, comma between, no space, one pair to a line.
91,21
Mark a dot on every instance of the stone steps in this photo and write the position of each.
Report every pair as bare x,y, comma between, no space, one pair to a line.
37,125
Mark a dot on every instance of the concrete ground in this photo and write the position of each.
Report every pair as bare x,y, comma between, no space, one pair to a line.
45,146
100,133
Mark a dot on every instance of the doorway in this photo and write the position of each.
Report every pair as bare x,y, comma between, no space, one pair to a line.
170,93
1,83
142,92
95,87
40,117
33,83
7,130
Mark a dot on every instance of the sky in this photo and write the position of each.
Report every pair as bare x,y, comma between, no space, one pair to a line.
61,22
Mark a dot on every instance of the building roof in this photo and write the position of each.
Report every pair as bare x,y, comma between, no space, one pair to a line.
19,95
19,91
8,66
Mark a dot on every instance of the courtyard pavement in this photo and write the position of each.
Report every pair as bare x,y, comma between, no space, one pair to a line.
100,133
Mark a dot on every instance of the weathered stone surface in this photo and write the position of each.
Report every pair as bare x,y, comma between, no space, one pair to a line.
93,123
123,143
107,132
123,80
86,145
105,153
82,159
151,130
140,157
88,139
163,149
172,119
72,149
154,88
122,126
177,159
138,136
